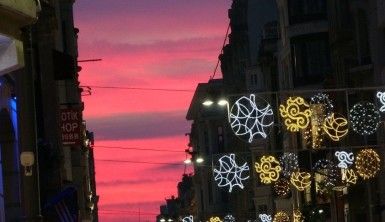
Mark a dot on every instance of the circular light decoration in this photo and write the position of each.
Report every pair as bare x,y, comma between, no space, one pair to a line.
250,118
349,176
265,217
345,159
289,163
381,97
298,216
296,114
282,187
335,126
329,170
281,216
367,163
300,180
229,218
229,173
365,118
322,98
188,219
215,219
268,169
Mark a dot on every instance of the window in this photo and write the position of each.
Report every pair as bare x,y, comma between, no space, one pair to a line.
301,11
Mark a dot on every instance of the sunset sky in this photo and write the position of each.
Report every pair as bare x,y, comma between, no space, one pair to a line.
148,44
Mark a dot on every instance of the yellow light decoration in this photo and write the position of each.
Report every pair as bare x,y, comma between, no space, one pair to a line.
336,127
296,114
316,120
367,163
281,216
268,169
301,180
282,187
215,219
298,216
349,176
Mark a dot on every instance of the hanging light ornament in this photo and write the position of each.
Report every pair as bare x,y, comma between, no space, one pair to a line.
229,173
265,217
381,97
282,187
300,180
296,113
229,218
335,126
298,216
248,120
268,169
345,159
367,163
322,98
349,176
215,219
289,163
188,219
365,118
281,216
316,121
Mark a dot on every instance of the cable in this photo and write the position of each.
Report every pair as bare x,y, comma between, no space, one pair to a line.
139,88
138,148
223,45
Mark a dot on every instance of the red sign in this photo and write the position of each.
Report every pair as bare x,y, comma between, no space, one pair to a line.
71,126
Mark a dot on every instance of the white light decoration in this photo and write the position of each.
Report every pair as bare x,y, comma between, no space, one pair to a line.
329,170
229,218
249,120
265,218
345,159
289,163
365,118
229,173
188,219
322,98
381,97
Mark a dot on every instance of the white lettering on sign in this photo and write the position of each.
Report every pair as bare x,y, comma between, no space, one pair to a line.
70,126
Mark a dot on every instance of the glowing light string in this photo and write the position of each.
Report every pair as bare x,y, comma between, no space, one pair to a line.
215,219
188,219
296,113
381,97
367,163
289,163
268,169
298,216
281,216
229,173
247,119
349,176
335,127
229,218
300,180
345,159
265,217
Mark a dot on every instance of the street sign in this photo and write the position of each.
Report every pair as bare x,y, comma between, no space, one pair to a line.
71,126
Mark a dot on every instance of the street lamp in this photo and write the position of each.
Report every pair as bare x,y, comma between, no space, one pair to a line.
207,102
199,160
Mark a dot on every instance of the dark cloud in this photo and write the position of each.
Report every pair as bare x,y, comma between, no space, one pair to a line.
129,182
139,125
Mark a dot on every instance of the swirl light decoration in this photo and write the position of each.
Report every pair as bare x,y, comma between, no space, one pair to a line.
281,216
282,187
300,180
229,218
289,163
296,114
249,120
322,98
229,173
349,176
345,159
367,163
336,126
215,219
298,216
268,169
365,118
381,97
265,217
188,219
